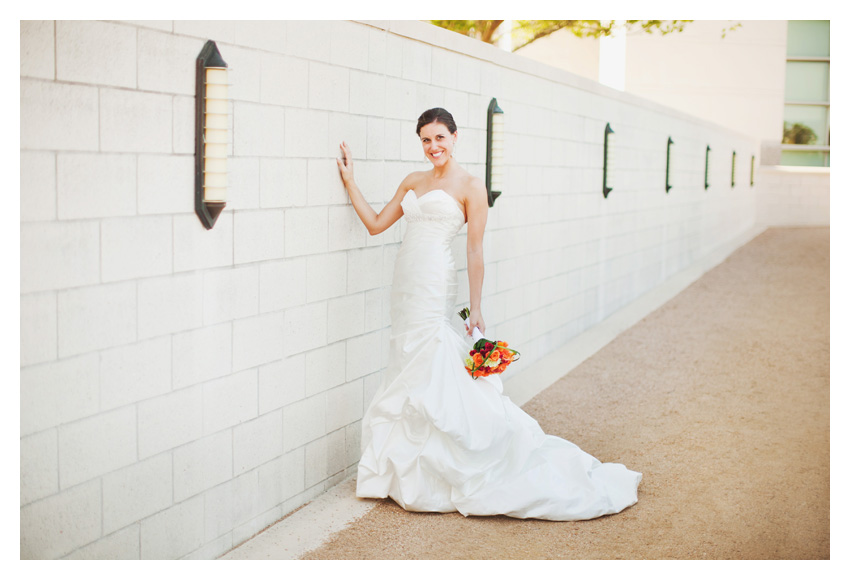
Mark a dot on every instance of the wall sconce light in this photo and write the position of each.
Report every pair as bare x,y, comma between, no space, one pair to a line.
669,145
606,155
707,150
211,134
733,169
495,151
752,170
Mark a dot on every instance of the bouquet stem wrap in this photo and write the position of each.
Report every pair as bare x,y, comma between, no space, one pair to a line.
476,334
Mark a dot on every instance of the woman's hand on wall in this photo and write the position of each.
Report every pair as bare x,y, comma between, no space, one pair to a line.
345,164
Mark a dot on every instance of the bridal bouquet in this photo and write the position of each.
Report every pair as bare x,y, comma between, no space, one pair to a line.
487,357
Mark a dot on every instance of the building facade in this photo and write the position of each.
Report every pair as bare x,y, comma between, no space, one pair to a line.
758,77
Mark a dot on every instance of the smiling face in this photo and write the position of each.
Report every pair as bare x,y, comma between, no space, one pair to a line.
437,142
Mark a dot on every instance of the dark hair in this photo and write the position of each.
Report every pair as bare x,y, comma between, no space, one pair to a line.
436,115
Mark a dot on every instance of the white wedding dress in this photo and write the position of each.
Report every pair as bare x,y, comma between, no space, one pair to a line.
434,439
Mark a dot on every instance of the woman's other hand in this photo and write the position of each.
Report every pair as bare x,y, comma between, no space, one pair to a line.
475,319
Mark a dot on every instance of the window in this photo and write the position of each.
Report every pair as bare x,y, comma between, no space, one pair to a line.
805,136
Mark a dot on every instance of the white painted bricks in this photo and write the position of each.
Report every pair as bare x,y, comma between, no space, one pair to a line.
96,317
166,62
230,400
39,466
59,116
328,87
170,304
174,532
258,340
54,526
98,53
135,372
306,231
94,185
166,184
124,258
202,464
182,388
37,49
199,355
283,283
38,335
281,383
133,121
258,441
84,451
135,492
38,186
58,392
284,80
169,421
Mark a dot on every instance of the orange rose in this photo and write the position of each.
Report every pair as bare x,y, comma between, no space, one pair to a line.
477,359
494,355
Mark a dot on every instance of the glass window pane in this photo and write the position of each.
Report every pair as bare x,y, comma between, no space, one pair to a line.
808,38
807,81
808,158
805,125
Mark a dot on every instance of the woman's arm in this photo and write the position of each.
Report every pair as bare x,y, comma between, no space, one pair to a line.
476,219
375,222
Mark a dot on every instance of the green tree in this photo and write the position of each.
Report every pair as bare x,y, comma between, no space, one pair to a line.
524,32
798,134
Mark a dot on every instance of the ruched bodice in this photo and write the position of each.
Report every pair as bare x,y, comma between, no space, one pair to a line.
436,440
444,218
425,277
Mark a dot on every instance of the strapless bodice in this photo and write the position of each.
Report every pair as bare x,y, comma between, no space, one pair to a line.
436,211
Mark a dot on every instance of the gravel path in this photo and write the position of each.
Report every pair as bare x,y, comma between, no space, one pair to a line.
720,398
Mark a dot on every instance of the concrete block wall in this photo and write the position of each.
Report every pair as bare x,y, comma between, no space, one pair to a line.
793,196
182,389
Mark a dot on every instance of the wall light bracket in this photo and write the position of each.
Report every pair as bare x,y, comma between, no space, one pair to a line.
752,170
734,158
495,151
211,134
606,154
669,146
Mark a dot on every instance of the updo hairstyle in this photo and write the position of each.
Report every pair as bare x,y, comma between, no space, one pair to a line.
440,116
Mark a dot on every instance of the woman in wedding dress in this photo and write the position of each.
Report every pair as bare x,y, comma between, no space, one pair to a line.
434,439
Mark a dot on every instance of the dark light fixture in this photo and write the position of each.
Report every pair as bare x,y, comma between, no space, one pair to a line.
707,151
752,170
495,151
733,168
669,145
606,155
211,134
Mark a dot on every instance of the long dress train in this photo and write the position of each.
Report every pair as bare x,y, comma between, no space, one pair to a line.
434,439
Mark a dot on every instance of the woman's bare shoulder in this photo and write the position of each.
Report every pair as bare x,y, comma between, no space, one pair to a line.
474,186
412,180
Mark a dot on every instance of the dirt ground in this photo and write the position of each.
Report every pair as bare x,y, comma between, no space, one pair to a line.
720,398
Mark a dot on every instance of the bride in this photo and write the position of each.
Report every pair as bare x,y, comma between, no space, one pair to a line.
434,439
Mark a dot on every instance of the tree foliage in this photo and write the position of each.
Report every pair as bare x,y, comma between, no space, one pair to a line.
524,32
798,134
